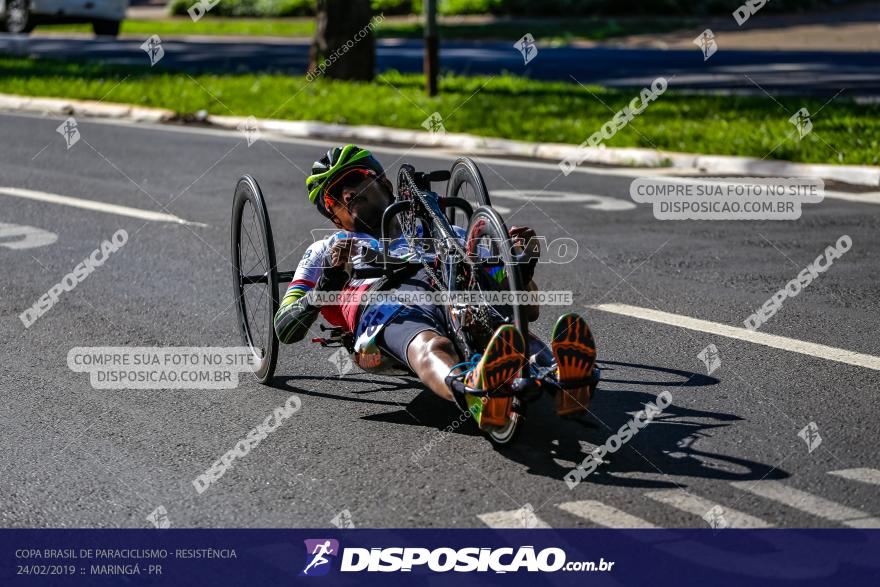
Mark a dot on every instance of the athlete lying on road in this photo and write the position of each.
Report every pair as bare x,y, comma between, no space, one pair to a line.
348,186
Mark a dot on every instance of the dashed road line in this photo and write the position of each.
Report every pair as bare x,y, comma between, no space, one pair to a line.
809,503
603,515
29,236
702,179
512,519
811,349
95,205
862,198
696,505
862,474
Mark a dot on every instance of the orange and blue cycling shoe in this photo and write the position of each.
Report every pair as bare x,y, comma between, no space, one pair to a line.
502,362
575,352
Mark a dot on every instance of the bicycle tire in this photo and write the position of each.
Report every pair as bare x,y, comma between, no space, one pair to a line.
466,182
487,227
255,317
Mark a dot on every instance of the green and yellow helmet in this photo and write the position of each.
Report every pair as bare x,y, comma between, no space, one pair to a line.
337,160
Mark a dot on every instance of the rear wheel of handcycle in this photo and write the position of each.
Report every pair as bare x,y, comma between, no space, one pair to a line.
254,275
494,270
466,182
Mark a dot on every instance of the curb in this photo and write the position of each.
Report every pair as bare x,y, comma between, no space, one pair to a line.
863,175
85,108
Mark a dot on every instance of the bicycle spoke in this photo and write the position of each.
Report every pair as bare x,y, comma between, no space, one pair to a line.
253,304
253,246
264,290
263,334
253,320
261,262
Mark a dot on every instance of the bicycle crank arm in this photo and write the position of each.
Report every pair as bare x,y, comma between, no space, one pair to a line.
457,385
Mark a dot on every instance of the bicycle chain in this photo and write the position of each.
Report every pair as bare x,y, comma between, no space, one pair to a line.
413,188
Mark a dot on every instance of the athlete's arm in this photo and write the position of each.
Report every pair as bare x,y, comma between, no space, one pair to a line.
321,269
526,239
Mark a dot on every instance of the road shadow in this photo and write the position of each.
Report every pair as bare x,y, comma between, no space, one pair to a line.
298,384
419,407
550,446
666,447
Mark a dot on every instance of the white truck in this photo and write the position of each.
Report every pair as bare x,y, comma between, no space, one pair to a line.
21,16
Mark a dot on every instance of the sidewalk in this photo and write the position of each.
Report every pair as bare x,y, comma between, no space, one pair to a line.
149,12
461,143
831,36
846,28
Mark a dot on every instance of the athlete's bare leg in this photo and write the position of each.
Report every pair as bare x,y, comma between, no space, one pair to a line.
431,356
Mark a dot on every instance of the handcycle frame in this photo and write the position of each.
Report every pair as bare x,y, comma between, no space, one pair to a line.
427,207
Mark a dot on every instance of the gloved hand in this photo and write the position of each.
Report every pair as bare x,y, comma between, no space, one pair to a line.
525,240
338,265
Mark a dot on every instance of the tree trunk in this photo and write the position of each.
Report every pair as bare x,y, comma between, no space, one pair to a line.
344,46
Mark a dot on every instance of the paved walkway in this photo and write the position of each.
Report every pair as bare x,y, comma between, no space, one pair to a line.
850,28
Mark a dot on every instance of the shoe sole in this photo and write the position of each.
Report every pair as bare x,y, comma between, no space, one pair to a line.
501,364
575,352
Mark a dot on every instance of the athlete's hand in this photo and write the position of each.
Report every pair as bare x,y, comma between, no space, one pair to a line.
336,274
525,238
340,253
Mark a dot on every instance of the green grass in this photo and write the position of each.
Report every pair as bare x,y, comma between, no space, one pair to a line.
544,30
504,106
284,27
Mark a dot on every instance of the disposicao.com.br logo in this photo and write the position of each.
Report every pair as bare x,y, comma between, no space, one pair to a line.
441,560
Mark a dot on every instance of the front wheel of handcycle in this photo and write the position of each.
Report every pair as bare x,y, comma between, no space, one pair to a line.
493,275
466,182
254,276
503,435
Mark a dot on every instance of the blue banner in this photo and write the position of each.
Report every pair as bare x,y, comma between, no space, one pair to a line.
440,557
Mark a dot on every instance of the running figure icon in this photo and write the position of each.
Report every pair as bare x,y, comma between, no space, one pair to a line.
319,550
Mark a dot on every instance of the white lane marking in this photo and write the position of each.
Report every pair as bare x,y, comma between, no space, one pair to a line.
603,515
590,201
807,502
31,236
864,197
447,154
812,349
94,205
512,519
696,505
862,474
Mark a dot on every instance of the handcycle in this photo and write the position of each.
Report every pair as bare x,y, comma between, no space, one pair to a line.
485,264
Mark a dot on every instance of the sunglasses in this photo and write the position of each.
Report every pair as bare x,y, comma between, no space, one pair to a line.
351,179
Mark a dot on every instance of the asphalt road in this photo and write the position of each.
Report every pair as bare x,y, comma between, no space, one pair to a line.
797,72
75,456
